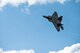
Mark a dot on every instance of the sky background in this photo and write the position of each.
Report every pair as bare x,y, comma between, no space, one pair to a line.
23,27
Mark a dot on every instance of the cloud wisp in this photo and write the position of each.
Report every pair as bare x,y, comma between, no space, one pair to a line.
72,49
77,1
15,51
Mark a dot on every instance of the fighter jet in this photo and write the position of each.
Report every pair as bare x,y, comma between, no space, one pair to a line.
55,20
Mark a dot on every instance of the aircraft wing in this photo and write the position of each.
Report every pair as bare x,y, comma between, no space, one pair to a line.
56,26
60,18
55,15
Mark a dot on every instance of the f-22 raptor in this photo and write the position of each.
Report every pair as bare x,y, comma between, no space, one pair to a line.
55,20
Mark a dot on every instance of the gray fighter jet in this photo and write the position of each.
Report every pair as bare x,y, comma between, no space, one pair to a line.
55,20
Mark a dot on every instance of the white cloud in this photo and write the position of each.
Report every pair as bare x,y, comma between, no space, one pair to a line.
15,51
72,49
75,48
16,3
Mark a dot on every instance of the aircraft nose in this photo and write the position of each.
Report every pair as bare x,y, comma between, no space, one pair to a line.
43,16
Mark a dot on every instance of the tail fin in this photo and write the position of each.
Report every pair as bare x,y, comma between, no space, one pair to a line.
62,27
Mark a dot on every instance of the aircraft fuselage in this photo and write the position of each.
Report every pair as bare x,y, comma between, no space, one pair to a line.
55,20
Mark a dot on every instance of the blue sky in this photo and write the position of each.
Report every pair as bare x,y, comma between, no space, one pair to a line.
23,27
